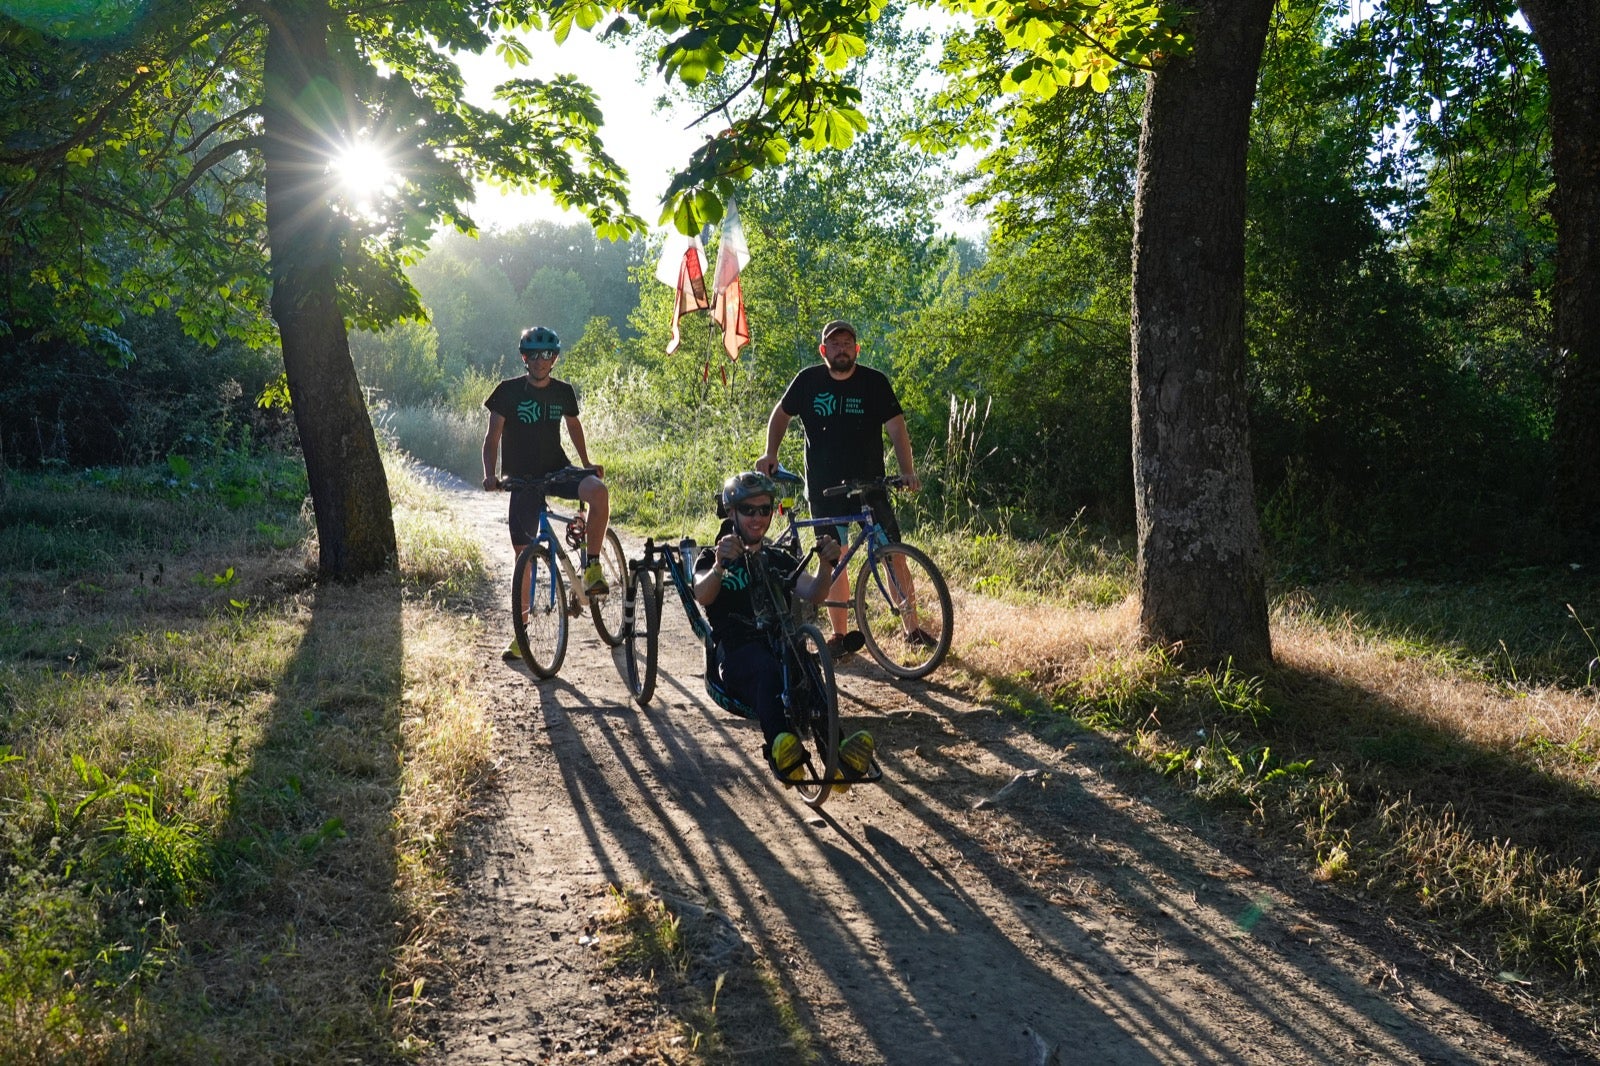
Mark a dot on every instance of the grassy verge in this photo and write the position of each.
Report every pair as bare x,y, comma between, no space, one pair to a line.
224,790
1408,755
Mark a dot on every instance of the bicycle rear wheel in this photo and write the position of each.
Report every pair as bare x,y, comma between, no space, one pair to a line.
641,633
607,610
539,610
903,611
814,710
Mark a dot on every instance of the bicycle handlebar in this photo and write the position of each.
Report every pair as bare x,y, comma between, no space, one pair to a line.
856,488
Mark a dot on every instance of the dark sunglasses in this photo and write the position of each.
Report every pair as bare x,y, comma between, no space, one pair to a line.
755,510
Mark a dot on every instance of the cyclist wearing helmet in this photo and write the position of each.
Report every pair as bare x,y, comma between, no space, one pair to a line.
841,406
524,438
750,673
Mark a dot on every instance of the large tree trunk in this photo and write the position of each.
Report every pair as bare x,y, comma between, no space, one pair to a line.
1201,567
302,116
1568,32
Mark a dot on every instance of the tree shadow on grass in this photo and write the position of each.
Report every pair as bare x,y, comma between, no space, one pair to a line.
290,960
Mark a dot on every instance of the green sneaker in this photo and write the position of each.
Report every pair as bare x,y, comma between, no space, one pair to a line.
512,653
855,759
788,758
594,579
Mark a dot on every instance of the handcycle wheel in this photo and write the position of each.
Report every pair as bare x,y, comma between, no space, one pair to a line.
641,633
814,709
607,610
539,610
903,611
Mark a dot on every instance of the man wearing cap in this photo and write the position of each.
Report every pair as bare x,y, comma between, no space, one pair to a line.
843,409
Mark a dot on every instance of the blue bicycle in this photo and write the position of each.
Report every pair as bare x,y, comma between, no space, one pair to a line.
902,604
546,589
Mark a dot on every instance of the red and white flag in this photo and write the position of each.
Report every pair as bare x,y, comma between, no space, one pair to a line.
683,266
728,305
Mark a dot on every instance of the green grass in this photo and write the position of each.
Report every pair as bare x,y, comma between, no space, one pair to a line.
224,790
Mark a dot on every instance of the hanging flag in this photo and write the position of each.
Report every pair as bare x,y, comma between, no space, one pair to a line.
682,265
728,307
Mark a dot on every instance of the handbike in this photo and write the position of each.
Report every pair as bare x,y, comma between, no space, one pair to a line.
546,588
902,604
810,696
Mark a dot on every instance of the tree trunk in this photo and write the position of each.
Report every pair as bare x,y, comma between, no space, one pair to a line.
1202,579
303,114
1567,34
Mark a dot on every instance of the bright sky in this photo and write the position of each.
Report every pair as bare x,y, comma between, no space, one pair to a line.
649,145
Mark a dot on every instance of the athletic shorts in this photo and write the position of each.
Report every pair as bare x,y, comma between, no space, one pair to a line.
527,505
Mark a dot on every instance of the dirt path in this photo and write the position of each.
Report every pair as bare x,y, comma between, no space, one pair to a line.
940,917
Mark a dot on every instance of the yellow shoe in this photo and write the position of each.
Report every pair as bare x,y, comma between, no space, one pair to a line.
594,579
855,759
512,653
788,758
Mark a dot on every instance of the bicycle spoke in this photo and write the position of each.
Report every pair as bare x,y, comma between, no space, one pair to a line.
607,610
903,610
641,633
539,611
814,709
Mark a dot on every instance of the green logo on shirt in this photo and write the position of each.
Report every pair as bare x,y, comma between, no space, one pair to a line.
735,579
529,411
825,403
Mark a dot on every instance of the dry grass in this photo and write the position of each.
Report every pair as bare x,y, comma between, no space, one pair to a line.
1396,767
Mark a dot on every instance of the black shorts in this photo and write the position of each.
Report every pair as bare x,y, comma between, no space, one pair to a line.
876,499
527,505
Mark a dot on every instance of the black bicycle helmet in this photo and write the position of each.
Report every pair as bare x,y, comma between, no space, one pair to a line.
740,487
539,339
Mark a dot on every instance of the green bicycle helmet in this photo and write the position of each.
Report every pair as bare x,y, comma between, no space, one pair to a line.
740,487
539,339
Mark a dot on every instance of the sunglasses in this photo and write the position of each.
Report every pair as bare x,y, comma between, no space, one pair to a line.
754,510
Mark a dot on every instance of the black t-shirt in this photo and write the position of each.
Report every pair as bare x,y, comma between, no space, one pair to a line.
843,423
733,613
531,442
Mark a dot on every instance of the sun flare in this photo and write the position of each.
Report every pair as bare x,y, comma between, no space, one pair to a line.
364,171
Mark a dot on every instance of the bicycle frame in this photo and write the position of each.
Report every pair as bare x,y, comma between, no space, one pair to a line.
888,591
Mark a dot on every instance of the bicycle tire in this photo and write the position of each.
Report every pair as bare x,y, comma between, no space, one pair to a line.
641,634
607,610
881,612
814,711
539,610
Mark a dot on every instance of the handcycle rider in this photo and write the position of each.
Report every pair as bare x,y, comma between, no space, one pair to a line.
525,417
750,673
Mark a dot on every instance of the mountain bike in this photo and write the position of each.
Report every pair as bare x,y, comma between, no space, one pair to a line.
546,588
902,604
809,693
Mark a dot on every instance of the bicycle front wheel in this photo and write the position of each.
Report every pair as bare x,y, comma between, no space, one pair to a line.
641,633
539,610
903,611
814,710
607,610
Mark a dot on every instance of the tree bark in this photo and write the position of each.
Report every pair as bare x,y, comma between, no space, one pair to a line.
1566,31
302,117
1201,567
